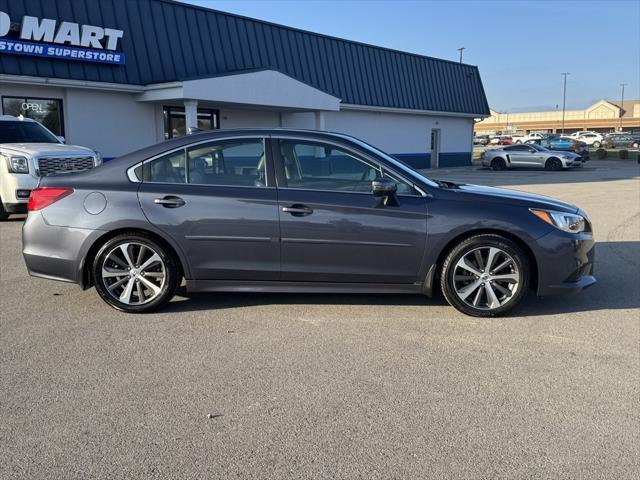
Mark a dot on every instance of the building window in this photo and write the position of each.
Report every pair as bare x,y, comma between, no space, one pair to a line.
175,121
47,111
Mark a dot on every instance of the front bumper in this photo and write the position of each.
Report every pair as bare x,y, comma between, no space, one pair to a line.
565,262
14,188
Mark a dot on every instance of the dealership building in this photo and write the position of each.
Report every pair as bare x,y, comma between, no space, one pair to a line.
119,75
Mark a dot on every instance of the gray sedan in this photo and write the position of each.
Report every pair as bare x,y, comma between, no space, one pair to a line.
276,210
530,156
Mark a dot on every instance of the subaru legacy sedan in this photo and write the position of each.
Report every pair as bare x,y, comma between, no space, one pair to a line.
275,210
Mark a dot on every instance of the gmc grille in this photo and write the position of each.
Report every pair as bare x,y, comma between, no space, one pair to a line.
52,165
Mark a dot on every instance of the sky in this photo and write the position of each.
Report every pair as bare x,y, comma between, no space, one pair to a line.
520,47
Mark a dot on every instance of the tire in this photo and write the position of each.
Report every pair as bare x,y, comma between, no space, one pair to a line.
3,213
553,164
498,164
596,144
135,293
456,281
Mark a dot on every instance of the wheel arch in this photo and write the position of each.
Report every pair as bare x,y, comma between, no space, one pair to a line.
87,262
434,270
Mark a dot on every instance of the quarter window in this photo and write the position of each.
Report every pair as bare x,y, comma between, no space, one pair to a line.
239,163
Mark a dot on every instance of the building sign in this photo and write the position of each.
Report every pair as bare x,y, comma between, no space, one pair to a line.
72,41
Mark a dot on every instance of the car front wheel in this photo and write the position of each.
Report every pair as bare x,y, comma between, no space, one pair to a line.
134,273
485,275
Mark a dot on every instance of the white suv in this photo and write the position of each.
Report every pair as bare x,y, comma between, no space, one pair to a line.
29,151
593,139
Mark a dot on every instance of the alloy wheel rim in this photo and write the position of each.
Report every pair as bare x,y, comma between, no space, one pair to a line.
486,278
133,273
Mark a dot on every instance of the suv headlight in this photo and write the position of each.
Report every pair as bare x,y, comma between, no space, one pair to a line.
18,164
567,222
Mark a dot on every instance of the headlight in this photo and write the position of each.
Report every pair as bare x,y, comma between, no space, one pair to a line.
18,164
98,158
568,222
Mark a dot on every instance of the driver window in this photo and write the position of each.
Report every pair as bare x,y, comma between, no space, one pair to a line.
317,166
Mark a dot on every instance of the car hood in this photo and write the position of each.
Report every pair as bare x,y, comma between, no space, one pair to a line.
515,197
45,149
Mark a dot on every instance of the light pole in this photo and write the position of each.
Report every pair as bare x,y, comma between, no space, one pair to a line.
460,50
621,105
564,97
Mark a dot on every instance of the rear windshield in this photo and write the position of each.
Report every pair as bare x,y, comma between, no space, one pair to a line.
25,132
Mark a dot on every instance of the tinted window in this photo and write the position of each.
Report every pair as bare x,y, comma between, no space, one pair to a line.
316,166
169,168
517,148
235,163
24,132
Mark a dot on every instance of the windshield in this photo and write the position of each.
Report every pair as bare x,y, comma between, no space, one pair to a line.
399,163
25,132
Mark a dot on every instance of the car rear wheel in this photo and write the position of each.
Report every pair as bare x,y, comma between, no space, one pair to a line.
135,274
498,164
485,275
596,144
553,164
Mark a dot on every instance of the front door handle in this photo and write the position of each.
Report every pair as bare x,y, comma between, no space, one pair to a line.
298,210
170,201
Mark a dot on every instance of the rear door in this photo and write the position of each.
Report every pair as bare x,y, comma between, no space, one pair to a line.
218,202
333,229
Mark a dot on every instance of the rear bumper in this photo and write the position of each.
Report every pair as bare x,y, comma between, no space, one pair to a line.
55,253
565,262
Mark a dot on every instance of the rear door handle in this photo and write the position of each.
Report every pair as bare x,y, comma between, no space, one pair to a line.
298,210
170,201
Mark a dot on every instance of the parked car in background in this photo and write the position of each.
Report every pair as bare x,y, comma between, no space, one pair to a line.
529,156
28,151
621,140
505,140
592,139
278,210
481,140
565,144
525,138
494,140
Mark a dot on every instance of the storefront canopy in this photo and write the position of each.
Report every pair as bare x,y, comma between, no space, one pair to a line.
257,88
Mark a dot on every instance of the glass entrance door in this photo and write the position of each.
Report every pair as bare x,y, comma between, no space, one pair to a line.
175,124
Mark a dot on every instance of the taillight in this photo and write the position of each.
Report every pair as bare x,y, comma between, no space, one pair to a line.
44,196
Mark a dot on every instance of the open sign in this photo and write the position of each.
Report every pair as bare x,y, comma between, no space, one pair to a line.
34,107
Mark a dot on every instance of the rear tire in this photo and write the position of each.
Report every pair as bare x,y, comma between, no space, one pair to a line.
134,273
553,164
596,144
500,281
498,164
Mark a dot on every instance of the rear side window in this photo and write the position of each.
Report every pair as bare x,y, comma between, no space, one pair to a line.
238,163
169,168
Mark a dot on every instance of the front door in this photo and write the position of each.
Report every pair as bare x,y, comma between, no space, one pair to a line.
332,227
218,201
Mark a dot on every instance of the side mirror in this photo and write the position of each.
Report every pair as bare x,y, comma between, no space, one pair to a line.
383,187
62,140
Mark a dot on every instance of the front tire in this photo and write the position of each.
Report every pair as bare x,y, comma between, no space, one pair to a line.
553,164
485,275
135,274
3,213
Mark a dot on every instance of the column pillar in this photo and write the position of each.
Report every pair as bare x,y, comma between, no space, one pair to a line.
191,114
319,121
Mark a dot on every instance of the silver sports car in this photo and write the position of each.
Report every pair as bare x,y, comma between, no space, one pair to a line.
530,156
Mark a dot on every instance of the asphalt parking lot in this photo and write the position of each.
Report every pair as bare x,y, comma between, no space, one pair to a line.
330,386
